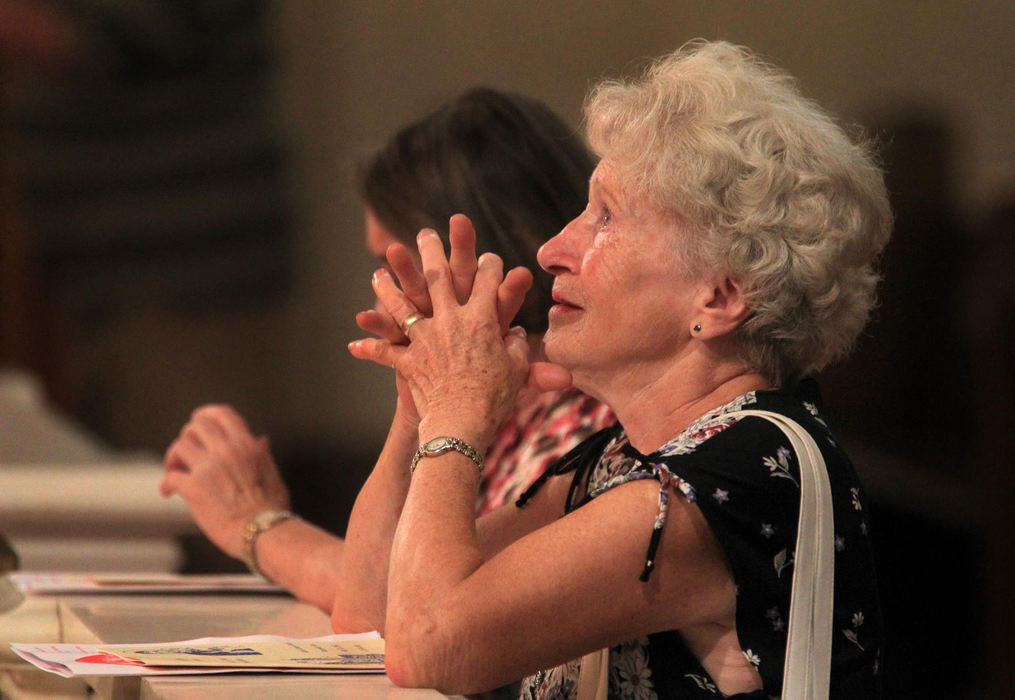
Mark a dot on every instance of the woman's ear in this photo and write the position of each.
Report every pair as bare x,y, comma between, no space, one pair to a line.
721,308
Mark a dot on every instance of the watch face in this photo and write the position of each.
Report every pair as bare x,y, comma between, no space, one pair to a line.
437,445
266,519
261,521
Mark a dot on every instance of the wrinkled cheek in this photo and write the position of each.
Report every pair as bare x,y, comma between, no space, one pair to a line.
591,261
599,270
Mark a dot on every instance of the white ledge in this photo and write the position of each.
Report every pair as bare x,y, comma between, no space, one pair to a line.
109,500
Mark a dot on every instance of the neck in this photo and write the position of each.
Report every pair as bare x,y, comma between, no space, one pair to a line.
654,407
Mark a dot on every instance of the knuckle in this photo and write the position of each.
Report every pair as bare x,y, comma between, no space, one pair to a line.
374,350
434,276
414,283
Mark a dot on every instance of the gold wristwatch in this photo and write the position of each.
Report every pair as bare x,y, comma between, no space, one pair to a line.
264,520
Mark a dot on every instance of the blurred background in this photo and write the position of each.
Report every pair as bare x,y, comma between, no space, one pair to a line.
179,227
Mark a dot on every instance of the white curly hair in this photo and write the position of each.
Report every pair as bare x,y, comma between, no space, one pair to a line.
772,190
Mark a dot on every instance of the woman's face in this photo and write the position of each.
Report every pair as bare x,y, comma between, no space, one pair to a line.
378,238
622,303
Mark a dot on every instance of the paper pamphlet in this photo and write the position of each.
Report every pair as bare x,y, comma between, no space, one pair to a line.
69,660
357,653
42,582
347,655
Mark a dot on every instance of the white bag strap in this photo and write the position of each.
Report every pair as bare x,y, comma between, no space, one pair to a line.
594,675
807,671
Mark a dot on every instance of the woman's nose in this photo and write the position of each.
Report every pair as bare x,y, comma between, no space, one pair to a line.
557,255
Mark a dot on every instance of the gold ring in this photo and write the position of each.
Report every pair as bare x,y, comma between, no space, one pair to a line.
410,320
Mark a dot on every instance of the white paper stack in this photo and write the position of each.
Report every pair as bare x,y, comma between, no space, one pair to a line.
356,653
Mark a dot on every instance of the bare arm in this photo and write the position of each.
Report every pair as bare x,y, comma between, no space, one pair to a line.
303,559
360,594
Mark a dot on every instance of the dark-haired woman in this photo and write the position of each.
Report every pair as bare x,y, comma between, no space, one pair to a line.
520,174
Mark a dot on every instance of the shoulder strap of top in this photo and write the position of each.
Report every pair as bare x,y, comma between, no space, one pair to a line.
578,459
807,670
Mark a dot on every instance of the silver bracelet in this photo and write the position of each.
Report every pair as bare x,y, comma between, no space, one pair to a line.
262,522
443,444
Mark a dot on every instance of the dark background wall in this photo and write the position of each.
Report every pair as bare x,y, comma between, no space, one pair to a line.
147,330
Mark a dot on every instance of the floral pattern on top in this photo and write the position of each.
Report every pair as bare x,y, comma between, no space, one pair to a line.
631,677
741,472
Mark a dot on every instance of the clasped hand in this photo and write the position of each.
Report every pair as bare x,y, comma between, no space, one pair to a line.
461,366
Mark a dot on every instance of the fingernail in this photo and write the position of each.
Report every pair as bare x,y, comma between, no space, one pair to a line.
427,233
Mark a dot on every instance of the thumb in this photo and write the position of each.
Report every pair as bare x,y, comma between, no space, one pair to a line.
546,376
375,350
517,346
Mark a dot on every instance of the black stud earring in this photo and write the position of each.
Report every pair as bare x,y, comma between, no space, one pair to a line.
697,327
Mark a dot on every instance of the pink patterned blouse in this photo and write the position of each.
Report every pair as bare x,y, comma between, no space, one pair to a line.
536,436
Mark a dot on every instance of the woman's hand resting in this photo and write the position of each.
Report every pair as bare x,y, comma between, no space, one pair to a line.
225,474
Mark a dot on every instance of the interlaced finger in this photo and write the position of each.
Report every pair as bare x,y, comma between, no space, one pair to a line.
489,275
406,268
378,351
462,261
511,295
394,302
436,271
381,325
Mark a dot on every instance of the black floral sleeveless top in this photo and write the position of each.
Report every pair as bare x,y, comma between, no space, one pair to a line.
742,473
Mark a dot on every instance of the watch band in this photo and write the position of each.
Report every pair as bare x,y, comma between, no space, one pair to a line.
263,521
441,445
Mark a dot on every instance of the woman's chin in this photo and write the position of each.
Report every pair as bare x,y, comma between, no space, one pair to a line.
561,348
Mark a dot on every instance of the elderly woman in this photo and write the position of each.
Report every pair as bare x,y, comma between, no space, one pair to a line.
521,173
725,254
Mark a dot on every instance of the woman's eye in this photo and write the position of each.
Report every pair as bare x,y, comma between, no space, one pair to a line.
605,219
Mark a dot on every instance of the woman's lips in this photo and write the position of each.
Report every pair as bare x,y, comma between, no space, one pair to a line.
562,305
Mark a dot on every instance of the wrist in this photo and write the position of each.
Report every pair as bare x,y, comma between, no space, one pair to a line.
478,437
405,422
258,525
444,444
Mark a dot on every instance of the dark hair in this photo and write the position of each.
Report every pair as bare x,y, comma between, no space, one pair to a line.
504,160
